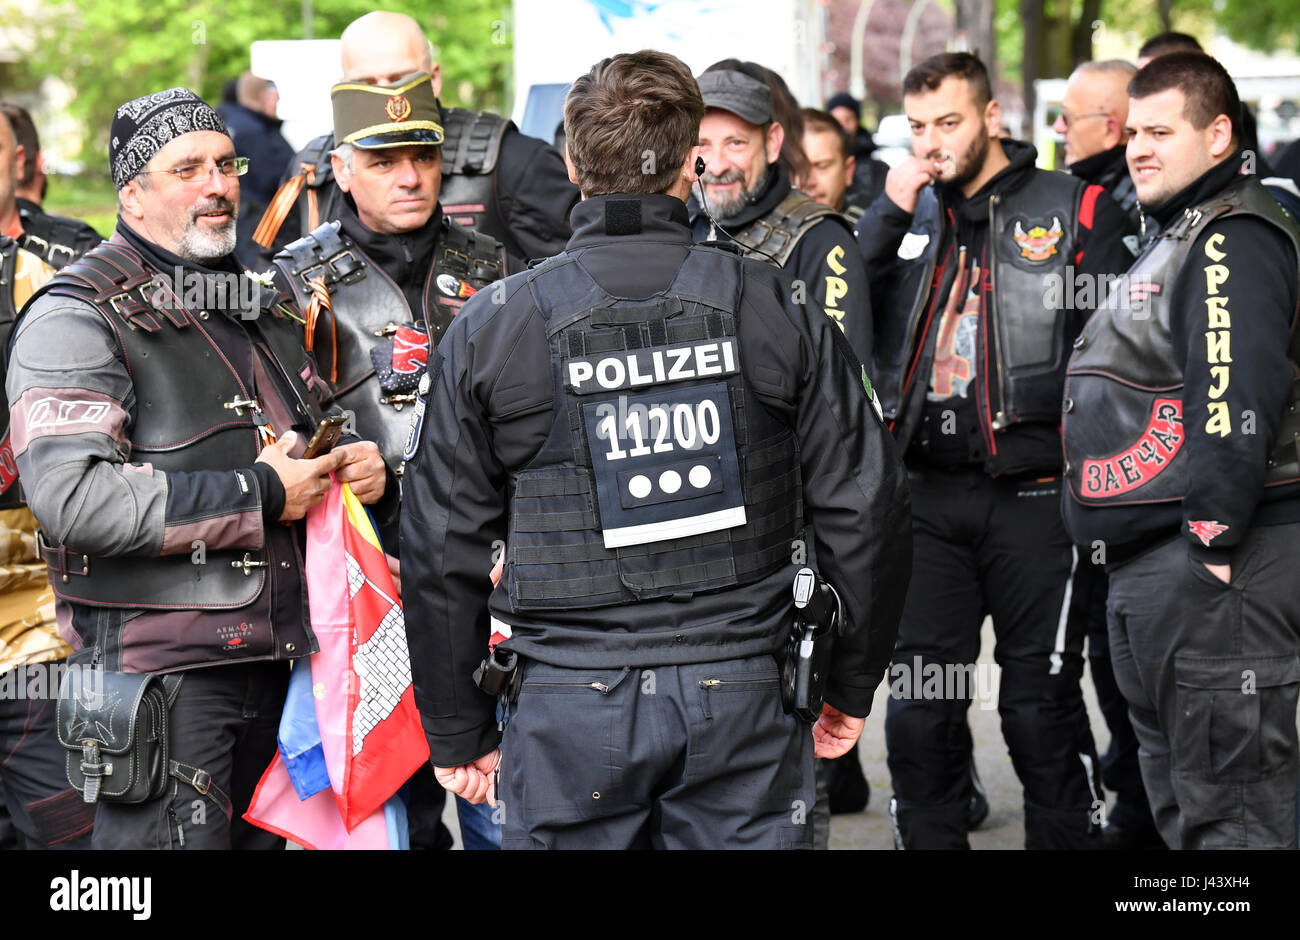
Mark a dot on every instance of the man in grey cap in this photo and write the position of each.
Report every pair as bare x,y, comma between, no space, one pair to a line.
159,414
750,200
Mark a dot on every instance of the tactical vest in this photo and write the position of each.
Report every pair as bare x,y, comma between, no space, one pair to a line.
366,306
1032,238
663,475
179,424
1123,410
470,150
778,233
10,491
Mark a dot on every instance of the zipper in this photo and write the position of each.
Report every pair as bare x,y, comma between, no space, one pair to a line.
999,421
752,683
598,686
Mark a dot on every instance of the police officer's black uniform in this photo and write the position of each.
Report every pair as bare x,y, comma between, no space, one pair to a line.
658,435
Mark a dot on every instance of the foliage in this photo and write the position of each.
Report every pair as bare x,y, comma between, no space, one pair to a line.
111,52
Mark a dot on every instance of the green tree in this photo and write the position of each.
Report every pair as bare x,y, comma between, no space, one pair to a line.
111,52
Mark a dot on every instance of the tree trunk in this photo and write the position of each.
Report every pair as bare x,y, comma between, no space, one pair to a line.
975,20
1031,17
1081,44
1166,8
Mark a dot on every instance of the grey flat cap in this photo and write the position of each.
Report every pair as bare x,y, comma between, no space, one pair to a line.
736,92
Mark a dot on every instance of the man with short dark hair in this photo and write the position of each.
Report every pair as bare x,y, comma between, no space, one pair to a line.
970,355
54,239
254,126
646,428
749,200
1180,433
831,164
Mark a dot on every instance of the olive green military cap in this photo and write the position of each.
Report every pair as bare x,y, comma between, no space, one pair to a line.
373,116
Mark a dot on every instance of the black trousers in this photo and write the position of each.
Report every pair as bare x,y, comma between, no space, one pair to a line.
225,720
46,812
1211,672
696,756
1120,770
985,546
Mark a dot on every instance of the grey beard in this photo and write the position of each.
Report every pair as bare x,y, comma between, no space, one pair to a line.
742,200
199,245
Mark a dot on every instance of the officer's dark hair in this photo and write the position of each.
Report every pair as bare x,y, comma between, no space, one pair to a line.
1206,85
25,135
821,122
930,74
626,109
785,111
1165,43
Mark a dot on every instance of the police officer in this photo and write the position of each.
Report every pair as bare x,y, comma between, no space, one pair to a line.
971,353
56,240
495,180
1180,436
749,200
379,284
647,429
159,414
38,808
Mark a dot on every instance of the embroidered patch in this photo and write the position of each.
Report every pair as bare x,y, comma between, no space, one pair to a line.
1206,531
417,418
1142,462
1039,243
454,287
398,108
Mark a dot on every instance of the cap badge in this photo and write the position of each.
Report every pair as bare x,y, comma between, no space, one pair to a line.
398,108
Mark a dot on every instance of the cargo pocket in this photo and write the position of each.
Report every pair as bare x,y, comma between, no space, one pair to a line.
564,735
1235,719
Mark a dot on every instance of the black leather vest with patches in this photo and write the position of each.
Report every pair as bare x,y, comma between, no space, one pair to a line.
180,424
663,475
470,154
1033,236
1125,442
367,307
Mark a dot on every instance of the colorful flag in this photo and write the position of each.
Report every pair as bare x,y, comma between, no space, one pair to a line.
369,733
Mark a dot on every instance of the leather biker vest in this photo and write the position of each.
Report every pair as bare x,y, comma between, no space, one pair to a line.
663,475
178,425
1123,410
366,307
1032,237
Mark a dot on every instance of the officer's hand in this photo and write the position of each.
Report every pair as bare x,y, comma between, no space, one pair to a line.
835,732
904,183
305,481
362,469
473,782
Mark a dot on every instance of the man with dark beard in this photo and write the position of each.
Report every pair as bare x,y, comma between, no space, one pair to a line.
159,416
970,357
750,200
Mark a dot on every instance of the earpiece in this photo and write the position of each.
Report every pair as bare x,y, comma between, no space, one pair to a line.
699,166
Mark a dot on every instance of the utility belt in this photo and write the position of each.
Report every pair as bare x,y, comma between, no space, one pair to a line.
114,725
804,661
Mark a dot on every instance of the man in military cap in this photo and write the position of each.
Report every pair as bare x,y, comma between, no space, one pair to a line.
380,283
750,200
495,179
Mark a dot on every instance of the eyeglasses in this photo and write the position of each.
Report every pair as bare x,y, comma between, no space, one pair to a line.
1069,119
230,167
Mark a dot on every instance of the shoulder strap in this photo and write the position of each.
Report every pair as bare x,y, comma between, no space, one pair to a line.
778,233
472,141
474,256
325,253
114,279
